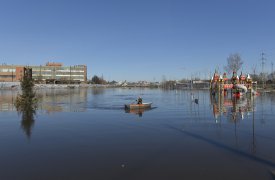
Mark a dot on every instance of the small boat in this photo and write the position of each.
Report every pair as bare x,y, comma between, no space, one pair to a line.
138,106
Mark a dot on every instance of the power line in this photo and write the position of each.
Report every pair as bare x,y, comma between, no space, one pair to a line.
272,72
263,59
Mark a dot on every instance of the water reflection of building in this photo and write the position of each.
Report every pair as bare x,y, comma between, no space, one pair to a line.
50,100
7,99
63,100
235,108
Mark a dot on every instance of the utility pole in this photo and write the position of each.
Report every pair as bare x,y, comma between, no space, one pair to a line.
263,59
272,74
254,72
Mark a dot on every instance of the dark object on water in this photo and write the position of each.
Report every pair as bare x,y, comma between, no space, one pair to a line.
193,99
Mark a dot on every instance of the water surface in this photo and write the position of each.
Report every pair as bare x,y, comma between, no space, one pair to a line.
87,134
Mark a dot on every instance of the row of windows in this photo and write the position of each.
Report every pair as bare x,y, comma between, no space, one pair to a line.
57,76
57,68
56,73
7,70
61,78
72,75
7,76
61,69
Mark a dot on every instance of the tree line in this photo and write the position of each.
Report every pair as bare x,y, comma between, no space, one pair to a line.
97,80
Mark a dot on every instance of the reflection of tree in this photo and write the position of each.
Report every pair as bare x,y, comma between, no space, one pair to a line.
27,121
97,91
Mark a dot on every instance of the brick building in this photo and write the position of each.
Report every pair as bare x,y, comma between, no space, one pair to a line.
50,71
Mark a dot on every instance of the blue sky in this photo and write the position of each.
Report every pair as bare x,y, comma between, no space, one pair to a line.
138,39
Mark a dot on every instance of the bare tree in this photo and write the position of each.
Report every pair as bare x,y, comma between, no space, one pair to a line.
234,63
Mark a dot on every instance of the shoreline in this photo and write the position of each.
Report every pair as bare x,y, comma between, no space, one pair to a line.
16,86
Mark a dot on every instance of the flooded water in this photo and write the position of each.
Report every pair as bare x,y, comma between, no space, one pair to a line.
87,134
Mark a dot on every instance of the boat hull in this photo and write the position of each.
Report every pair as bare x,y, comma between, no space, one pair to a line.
138,106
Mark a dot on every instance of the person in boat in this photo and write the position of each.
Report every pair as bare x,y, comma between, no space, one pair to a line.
139,100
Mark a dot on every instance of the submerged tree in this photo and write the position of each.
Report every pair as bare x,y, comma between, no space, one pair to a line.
28,95
234,63
26,102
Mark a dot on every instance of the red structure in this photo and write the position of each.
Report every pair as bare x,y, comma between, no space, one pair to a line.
221,84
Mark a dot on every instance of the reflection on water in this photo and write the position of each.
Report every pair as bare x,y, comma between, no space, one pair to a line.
138,112
242,113
97,91
27,112
235,109
50,100
27,118
7,99
62,100
87,134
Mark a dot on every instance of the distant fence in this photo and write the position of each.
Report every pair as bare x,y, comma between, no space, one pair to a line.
199,84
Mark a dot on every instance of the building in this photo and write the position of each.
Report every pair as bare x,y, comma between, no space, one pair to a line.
10,73
50,72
